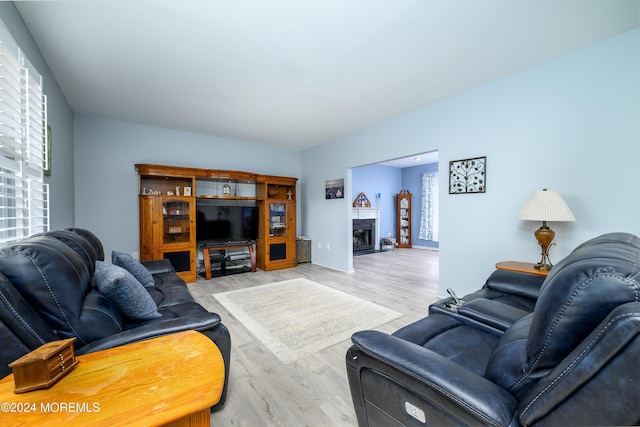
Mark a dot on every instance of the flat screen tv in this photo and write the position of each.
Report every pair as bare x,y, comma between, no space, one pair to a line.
219,221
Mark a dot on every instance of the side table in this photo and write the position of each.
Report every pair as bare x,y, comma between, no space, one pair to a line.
522,267
170,380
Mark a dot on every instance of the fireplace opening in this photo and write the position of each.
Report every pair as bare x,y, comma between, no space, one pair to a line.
363,236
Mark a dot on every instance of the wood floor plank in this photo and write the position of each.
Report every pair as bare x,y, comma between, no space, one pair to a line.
314,391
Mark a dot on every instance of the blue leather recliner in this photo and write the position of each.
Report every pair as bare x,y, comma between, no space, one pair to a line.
573,360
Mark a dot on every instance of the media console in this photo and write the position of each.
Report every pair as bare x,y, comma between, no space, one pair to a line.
169,197
224,247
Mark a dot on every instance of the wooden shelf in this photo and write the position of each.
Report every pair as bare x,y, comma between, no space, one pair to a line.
227,198
522,267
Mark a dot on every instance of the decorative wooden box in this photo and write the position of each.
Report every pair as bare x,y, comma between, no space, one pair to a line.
45,365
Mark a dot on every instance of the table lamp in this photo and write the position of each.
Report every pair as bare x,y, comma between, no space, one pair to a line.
545,206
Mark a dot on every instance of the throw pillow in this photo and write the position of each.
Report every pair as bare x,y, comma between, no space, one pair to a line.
134,267
125,291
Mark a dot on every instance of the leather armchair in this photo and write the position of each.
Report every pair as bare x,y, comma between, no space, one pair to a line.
572,361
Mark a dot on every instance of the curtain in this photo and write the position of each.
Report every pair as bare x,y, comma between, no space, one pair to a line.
429,212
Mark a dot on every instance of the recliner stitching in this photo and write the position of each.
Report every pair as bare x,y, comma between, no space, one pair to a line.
384,412
505,345
574,361
17,315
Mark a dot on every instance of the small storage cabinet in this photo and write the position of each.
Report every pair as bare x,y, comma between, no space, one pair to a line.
303,250
167,219
276,244
403,212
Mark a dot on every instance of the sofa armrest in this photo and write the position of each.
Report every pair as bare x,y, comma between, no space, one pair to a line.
493,313
515,283
464,395
198,322
159,266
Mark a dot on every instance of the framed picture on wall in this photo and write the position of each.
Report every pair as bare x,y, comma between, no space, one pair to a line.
468,176
47,159
334,189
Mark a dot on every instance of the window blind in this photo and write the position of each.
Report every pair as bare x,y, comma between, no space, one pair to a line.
24,196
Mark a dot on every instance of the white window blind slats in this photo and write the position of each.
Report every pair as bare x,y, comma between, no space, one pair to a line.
24,196
38,207
10,163
9,66
9,189
10,129
36,121
11,97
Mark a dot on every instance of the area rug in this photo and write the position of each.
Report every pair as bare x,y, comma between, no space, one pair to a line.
296,318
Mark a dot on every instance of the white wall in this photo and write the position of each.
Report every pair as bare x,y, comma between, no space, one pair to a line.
571,125
107,182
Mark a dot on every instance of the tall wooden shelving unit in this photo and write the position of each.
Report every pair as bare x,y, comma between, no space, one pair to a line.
276,247
167,217
167,213
403,212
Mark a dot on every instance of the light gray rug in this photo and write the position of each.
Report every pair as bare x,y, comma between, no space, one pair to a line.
298,317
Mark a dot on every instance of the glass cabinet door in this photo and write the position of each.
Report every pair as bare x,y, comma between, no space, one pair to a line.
404,227
277,219
176,226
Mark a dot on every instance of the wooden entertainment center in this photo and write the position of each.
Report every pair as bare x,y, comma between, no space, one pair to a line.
167,202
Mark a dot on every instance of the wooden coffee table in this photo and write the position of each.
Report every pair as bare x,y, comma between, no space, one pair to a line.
170,380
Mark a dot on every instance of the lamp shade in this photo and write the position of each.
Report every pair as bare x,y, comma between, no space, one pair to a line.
546,205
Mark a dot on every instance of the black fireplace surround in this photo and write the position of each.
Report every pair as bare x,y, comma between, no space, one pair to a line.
364,236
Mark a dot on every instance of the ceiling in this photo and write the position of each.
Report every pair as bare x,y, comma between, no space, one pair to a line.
296,73
415,160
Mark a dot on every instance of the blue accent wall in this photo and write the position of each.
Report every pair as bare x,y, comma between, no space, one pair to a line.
387,181
382,180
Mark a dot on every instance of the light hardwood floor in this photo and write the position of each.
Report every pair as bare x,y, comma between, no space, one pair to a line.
314,391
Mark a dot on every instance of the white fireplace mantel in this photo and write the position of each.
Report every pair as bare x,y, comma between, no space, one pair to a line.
369,213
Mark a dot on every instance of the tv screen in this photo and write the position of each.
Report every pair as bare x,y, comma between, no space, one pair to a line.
223,222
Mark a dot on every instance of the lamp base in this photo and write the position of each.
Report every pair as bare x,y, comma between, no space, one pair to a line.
544,236
542,266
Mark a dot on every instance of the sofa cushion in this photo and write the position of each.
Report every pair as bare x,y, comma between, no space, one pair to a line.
169,290
133,266
125,291
99,317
